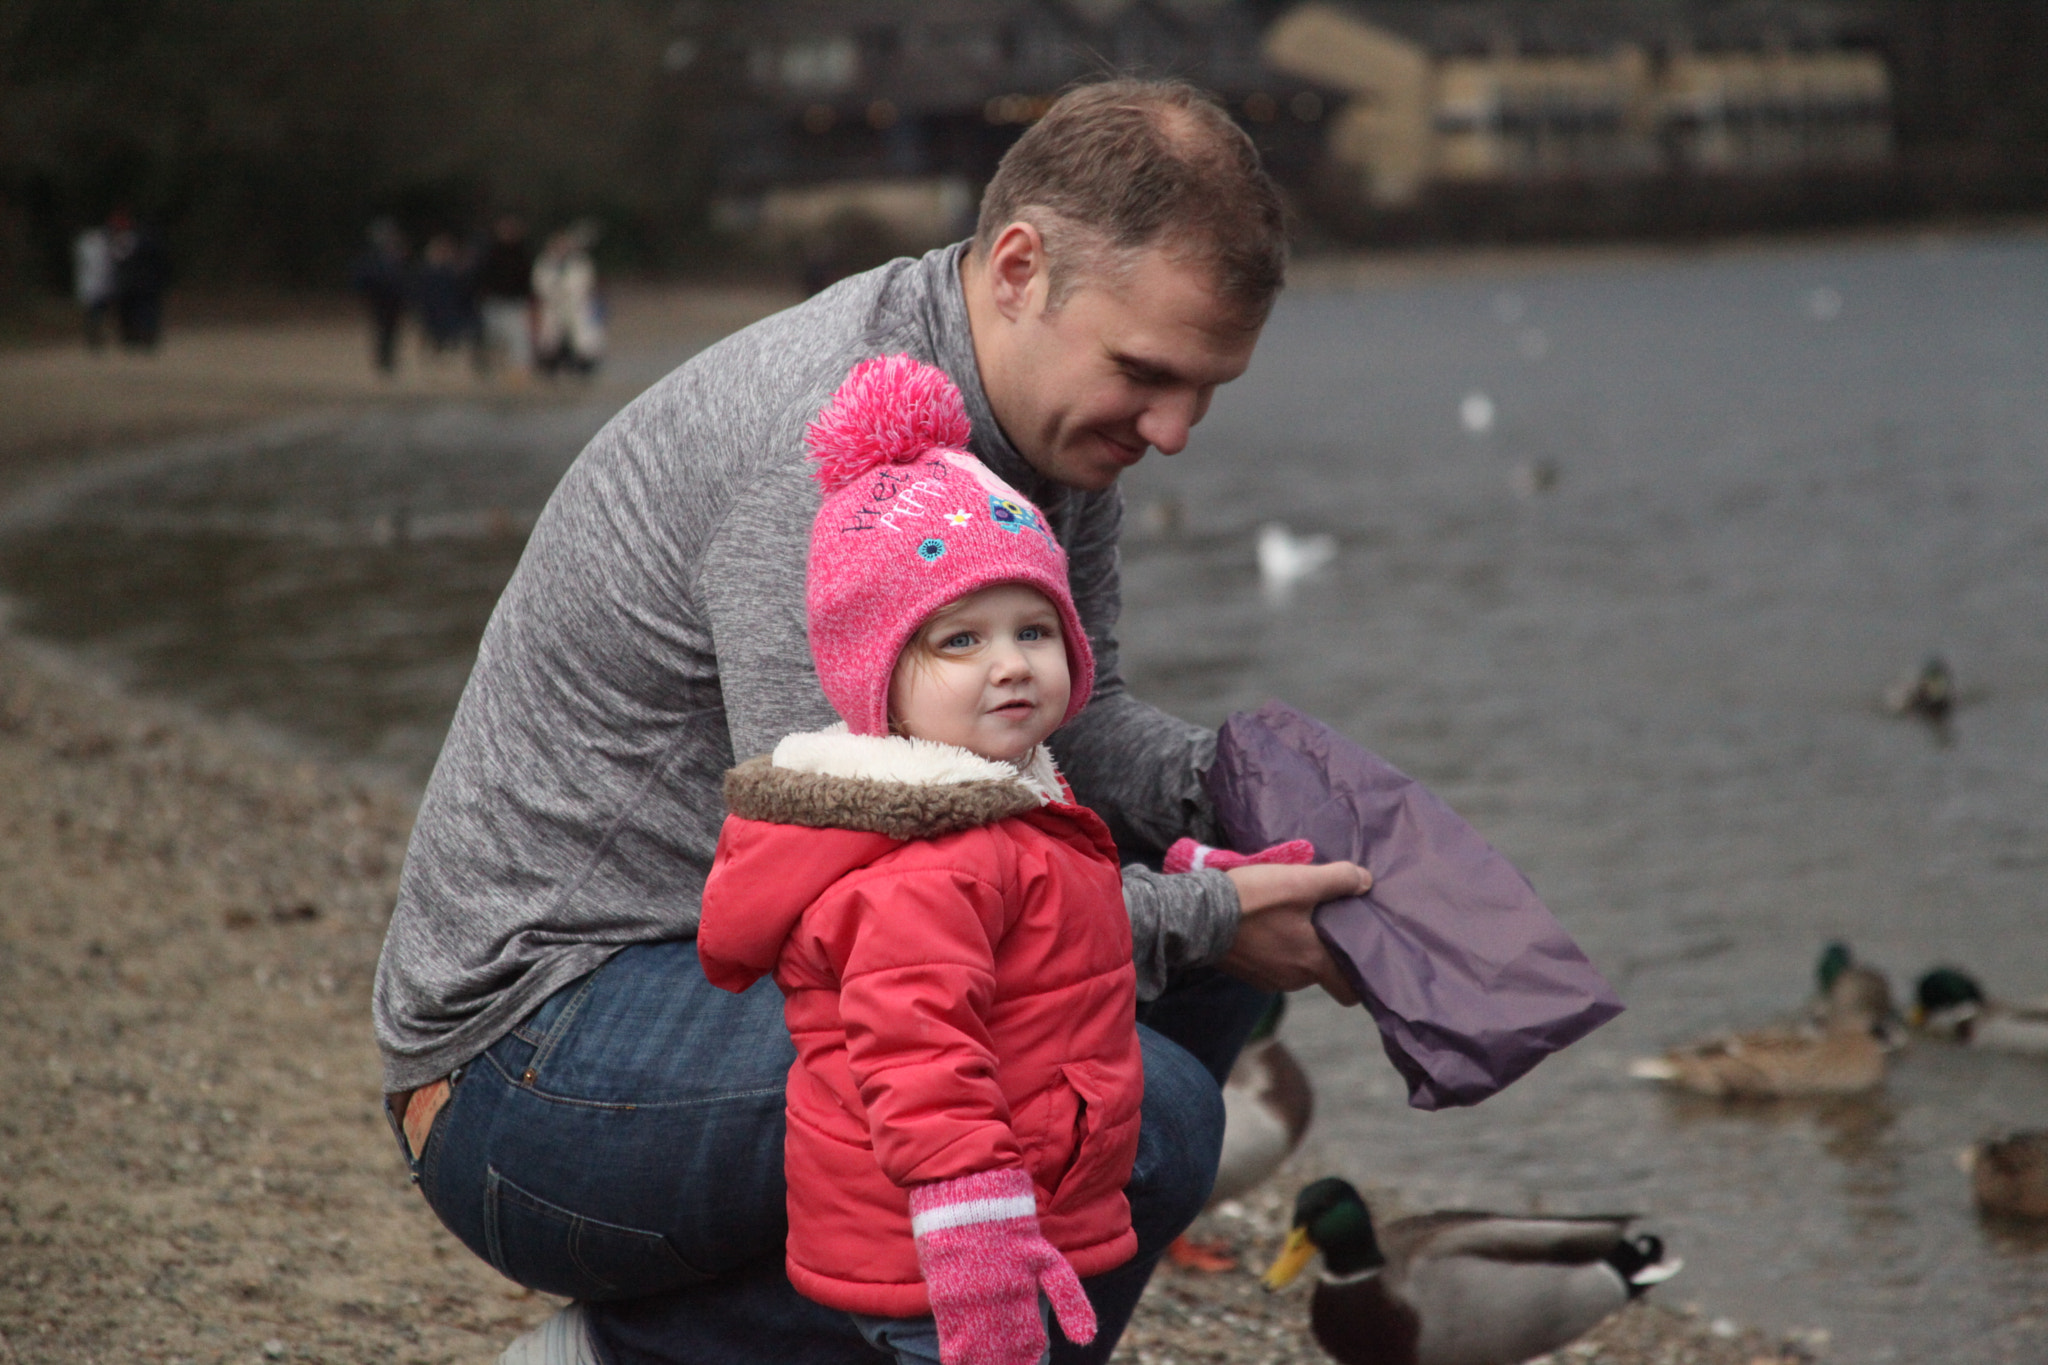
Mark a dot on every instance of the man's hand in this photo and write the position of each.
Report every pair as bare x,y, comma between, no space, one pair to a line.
1276,947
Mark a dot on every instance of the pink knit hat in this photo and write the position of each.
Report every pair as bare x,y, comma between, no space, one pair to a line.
911,522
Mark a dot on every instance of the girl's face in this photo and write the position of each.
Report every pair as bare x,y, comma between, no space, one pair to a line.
987,673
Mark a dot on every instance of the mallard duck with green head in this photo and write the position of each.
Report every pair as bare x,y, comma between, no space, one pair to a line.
1459,1288
1267,1105
1949,1002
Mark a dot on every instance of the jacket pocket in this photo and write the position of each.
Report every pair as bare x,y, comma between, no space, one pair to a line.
558,1251
1101,1138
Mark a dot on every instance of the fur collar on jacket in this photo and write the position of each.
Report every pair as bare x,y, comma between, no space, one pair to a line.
887,784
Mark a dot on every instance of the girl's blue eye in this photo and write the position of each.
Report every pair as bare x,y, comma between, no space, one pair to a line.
960,641
1034,633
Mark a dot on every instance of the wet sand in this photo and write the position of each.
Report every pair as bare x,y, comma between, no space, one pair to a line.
197,1170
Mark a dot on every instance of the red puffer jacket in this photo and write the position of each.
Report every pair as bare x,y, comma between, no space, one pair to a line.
951,942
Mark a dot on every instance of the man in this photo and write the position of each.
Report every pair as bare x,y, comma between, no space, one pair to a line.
580,1106
142,274
504,287
92,260
379,275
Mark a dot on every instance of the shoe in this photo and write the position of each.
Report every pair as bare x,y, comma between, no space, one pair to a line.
563,1339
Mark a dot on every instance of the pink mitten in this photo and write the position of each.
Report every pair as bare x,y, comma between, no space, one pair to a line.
1187,856
984,1263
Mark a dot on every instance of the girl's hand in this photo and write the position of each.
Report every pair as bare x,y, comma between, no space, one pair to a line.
1186,855
984,1264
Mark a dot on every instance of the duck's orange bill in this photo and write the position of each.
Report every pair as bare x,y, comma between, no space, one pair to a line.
1293,1258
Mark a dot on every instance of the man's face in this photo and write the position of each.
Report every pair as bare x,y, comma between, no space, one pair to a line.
1120,368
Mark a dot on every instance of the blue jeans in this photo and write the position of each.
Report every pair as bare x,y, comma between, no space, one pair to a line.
623,1146
915,1341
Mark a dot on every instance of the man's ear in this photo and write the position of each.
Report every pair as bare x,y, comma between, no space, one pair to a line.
1018,272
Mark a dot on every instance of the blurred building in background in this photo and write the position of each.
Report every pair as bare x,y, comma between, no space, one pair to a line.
855,129
881,119
1514,95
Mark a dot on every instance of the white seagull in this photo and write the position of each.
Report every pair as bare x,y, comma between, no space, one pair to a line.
1286,558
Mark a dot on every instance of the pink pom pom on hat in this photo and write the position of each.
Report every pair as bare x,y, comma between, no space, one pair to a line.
911,522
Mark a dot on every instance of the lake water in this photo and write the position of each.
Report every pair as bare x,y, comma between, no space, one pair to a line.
1627,554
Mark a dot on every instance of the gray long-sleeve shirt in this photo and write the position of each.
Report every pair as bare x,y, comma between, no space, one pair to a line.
654,632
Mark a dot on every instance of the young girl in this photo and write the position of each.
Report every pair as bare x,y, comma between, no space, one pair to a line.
947,926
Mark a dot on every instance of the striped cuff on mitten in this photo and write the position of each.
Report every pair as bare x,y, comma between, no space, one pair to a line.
988,1197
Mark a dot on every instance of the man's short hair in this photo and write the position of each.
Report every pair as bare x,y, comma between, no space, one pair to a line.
1118,166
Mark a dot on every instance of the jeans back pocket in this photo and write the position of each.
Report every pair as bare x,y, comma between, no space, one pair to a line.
559,1251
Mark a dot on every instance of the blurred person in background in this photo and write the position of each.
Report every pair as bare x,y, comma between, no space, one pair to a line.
504,286
92,273
142,272
446,295
568,326
379,276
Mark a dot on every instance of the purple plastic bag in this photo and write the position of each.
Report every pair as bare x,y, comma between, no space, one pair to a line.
1469,976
